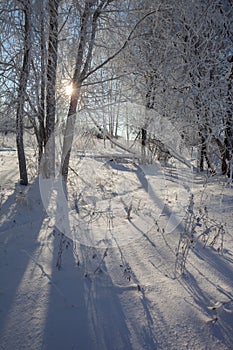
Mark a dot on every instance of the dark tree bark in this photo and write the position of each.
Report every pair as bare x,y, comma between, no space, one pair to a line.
204,155
49,161
229,121
41,113
150,104
22,92
222,150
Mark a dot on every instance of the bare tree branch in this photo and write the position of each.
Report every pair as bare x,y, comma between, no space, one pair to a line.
122,47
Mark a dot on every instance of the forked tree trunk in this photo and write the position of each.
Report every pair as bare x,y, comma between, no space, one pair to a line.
81,68
87,36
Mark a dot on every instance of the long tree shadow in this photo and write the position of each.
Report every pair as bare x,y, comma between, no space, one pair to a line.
22,216
85,309
173,220
220,319
72,320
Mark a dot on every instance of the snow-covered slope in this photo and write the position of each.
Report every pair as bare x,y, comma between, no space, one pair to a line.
111,279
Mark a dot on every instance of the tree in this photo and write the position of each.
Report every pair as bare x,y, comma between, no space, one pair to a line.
49,160
40,129
26,8
10,62
93,28
91,17
181,63
88,29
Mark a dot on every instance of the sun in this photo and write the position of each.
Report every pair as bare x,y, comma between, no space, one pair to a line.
69,89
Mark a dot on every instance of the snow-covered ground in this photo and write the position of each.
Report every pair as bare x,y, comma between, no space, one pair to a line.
103,271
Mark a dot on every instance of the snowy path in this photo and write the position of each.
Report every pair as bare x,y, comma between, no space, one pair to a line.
122,296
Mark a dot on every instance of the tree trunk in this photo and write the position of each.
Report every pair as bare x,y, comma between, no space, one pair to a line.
41,117
21,95
229,123
83,70
204,156
222,150
69,135
144,141
79,73
49,165
150,104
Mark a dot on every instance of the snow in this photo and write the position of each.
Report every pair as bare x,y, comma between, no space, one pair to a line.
108,280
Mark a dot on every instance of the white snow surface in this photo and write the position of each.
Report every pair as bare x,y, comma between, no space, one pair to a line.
105,277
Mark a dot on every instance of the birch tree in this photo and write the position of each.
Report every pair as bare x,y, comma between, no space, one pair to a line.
88,27
49,162
24,74
40,129
91,15
10,62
